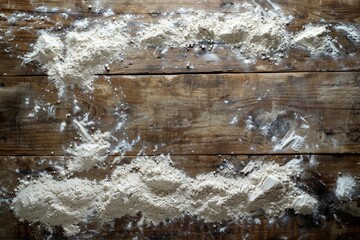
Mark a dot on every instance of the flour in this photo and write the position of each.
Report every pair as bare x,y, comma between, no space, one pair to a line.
250,31
295,141
93,149
248,28
314,39
62,126
345,187
304,204
352,32
284,129
47,50
154,187
57,202
37,108
81,53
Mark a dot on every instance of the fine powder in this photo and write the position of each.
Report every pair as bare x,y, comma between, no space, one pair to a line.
345,188
92,150
250,31
287,135
154,187
78,55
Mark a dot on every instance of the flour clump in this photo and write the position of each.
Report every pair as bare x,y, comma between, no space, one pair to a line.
153,187
345,187
250,31
88,49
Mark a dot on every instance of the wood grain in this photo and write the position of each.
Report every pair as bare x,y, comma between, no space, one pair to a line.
198,115
319,182
189,114
19,35
327,9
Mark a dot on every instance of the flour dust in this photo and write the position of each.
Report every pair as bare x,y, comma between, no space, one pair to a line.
153,187
346,187
285,129
86,48
74,59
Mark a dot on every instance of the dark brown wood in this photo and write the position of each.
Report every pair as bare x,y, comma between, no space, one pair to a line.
327,9
319,181
17,37
189,114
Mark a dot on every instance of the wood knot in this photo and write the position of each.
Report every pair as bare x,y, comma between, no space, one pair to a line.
353,134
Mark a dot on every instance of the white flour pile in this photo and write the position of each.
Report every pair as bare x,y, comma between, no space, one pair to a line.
345,188
152,186
79,54
92,150
250,28
315,39
75,56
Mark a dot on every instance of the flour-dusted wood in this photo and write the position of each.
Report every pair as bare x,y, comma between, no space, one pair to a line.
320,181
202,110
190,114
20,32
327,9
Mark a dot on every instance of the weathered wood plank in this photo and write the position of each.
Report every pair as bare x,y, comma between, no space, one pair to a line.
328,167
144,61
190,114
326,9
18,35
320,181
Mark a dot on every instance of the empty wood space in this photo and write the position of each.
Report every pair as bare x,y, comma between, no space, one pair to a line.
200,115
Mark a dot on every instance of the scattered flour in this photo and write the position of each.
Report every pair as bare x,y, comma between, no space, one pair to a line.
81,53
314,39
345,188
295,141
75,56
250,28
37,108
58,202
40,108
313,162
92,150
283,128
94,146
352,31
62,126
304,204
152,186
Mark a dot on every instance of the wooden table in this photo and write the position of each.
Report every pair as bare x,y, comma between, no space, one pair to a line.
188,109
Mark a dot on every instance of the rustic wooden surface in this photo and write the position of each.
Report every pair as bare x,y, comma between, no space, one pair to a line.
321,182
190,114
189,110
17,37
327,9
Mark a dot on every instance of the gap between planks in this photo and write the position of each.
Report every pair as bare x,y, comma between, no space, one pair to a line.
144,74
270,154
